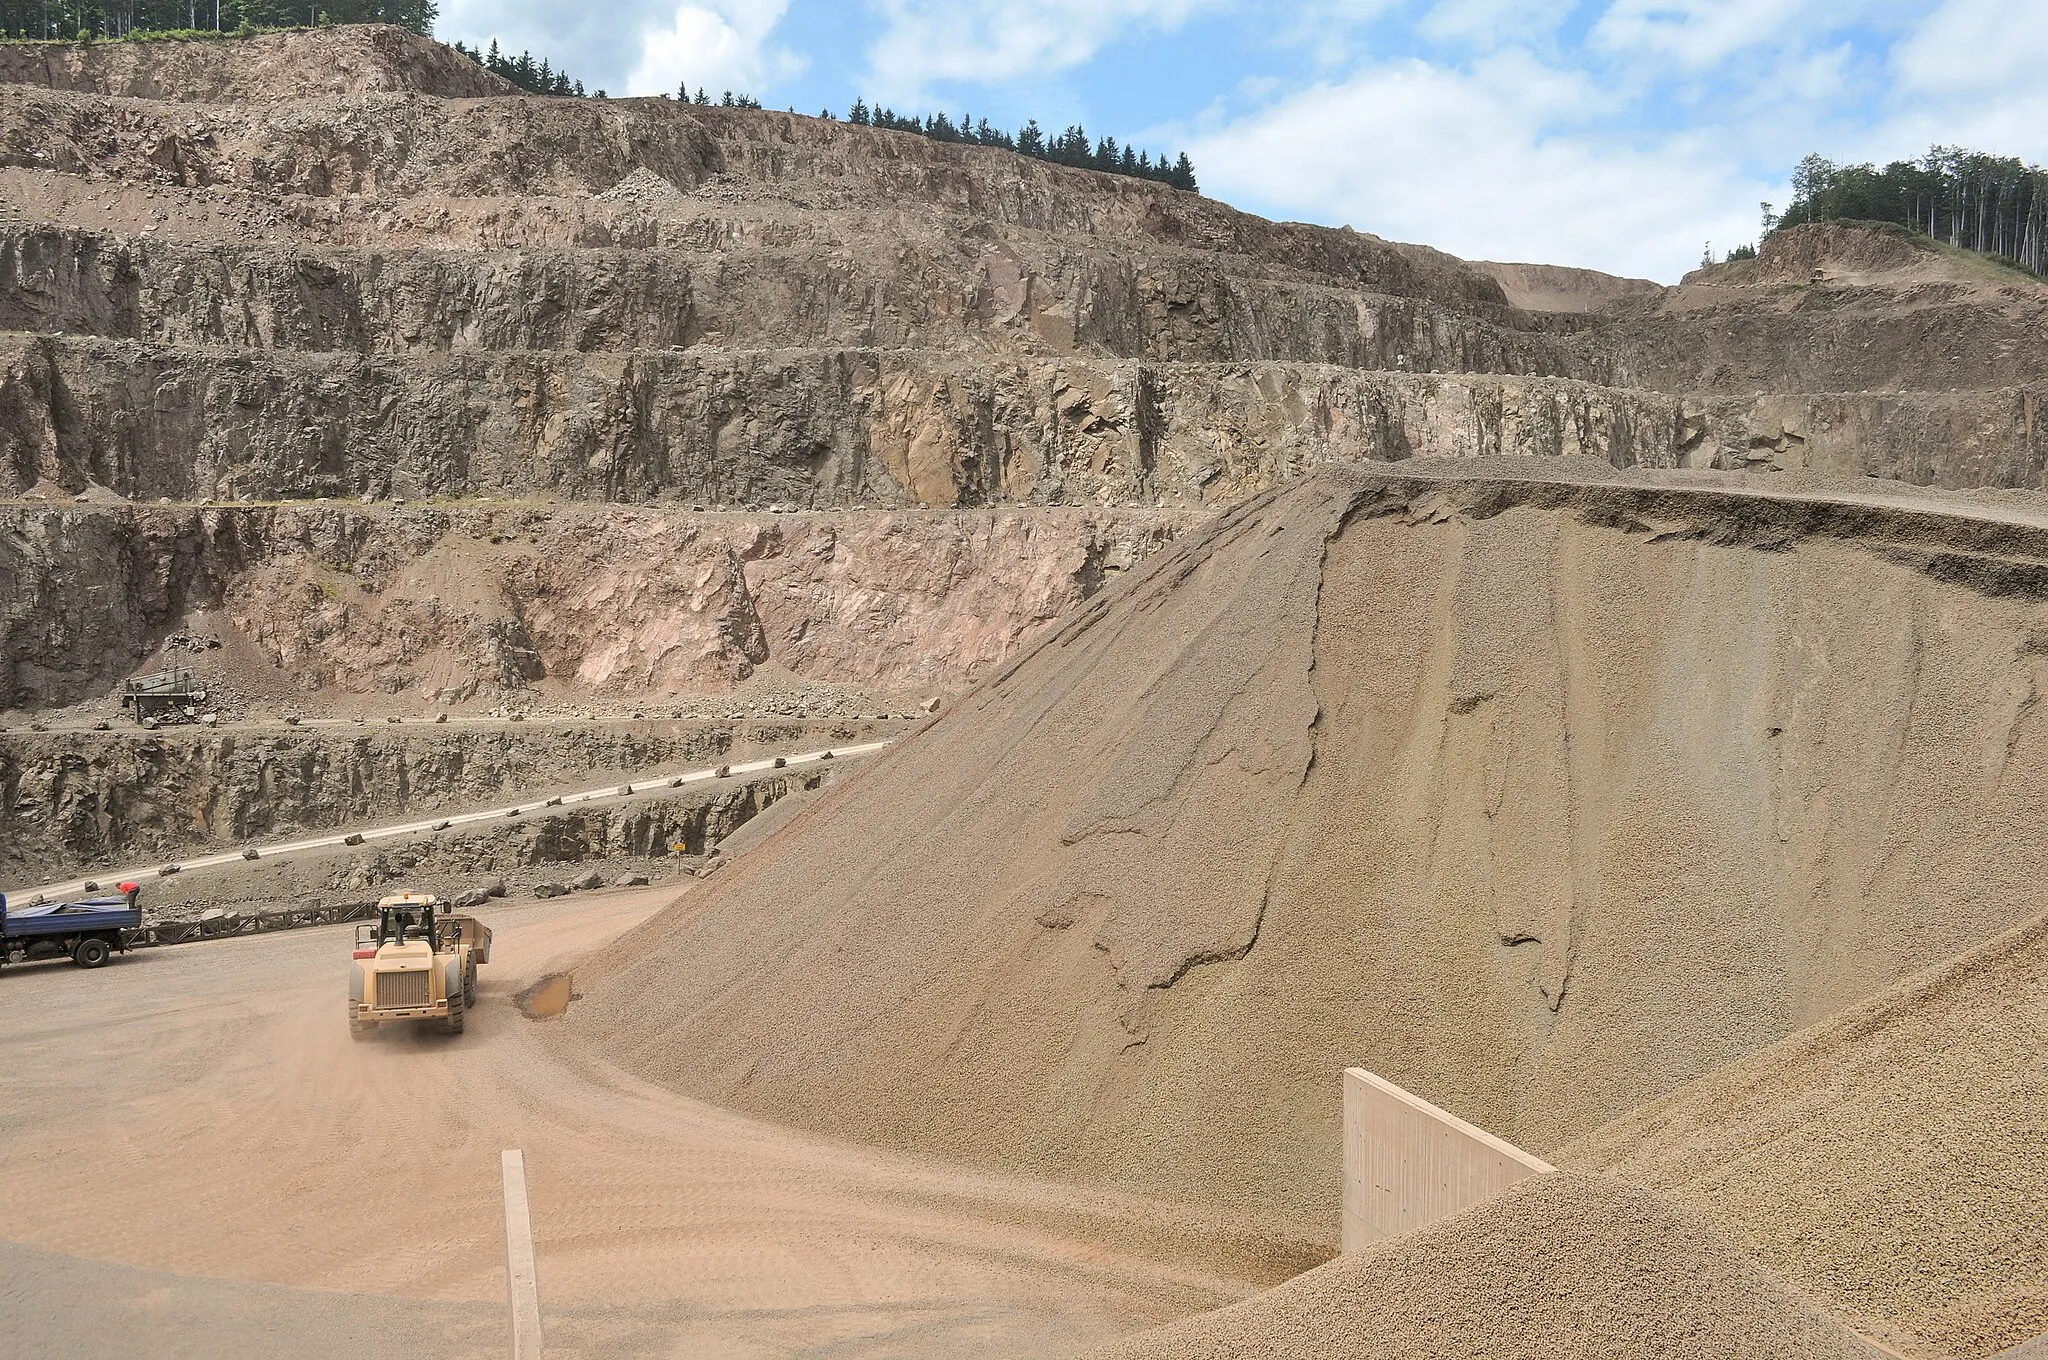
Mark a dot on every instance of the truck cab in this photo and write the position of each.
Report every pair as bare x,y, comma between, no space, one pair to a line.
416,961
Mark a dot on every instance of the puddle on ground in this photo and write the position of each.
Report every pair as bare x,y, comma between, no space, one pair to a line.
548,998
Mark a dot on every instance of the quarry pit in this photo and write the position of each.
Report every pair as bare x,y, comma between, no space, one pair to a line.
1608,711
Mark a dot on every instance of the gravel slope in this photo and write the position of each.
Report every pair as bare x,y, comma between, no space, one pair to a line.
1888,1162
1541,796
1562,1267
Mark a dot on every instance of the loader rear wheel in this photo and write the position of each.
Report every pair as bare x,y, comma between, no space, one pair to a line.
453,1023
358,1029
469,986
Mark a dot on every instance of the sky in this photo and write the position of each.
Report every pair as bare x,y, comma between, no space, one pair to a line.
1620,135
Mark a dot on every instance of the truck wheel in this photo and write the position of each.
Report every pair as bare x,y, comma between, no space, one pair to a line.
453,1023
90,953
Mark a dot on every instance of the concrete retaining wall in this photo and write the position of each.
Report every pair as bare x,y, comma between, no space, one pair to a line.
1408,1163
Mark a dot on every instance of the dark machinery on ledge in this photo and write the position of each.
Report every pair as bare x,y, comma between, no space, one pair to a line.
172,696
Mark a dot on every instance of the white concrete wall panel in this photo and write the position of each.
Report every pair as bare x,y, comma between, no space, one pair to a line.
1408,1163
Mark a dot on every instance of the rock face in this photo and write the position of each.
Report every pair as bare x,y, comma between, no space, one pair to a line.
350,263
271,66
1538,791
449,605
71,800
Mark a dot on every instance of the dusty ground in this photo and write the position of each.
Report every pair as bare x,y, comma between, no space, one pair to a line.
195,1159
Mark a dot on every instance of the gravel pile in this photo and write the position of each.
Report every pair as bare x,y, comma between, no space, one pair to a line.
1562,1267
1532,792
1890,1163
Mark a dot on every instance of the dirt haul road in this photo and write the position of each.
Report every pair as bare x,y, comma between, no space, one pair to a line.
196,1160
48,892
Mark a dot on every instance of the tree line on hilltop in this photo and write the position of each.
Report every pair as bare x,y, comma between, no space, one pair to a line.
91,20
525,72
1997,205
1070,147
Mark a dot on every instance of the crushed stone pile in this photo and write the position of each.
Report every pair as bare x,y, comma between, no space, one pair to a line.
1889,1162
1562,1267
1541,792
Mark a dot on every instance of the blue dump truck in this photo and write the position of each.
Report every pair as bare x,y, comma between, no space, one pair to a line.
89,931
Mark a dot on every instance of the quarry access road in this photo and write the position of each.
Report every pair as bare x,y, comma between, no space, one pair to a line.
47,892
195,1159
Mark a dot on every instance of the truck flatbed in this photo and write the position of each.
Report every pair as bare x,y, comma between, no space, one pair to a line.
88,930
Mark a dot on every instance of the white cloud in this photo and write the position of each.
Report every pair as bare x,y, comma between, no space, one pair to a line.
715,45
637,46
1489,24
1977,47
1490,163
994,41
1701,33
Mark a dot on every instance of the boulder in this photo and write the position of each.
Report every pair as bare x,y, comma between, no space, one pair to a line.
586,882
549,890
630,881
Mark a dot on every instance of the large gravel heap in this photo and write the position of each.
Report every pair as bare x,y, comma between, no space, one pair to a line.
1540,796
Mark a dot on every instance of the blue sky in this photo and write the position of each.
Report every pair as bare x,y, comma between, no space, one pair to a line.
1618,134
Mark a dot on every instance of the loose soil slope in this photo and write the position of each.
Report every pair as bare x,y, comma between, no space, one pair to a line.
355,59
1540,796
1888,1163
1563,1267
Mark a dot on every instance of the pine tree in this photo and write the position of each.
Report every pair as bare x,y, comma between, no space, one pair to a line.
858,114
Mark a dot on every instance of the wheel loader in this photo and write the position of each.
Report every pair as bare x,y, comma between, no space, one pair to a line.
416,961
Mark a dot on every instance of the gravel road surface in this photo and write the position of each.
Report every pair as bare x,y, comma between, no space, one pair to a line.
196,1160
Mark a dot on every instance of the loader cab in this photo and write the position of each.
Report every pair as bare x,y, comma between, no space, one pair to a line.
408,918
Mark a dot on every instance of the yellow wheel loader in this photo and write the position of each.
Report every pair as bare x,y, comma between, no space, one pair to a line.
416,961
